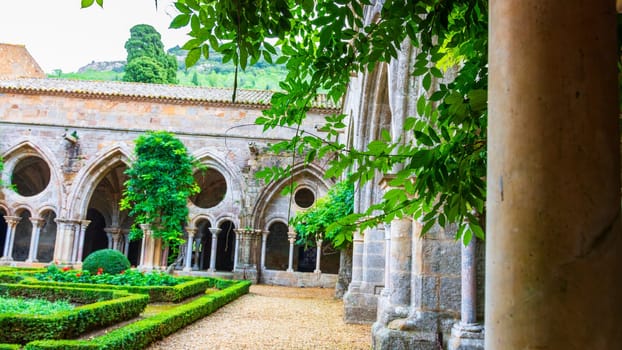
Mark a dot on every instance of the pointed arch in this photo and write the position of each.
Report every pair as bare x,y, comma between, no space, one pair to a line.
91,174
23,149
310,175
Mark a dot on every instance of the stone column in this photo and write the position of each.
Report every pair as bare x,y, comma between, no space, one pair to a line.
11,222
188,258
199,251
37,223
554,243
386,291
468,333
264,240
126,243
212,257
109,235
83,225
67,246
400,255
237,247
318,256
146,249
291,237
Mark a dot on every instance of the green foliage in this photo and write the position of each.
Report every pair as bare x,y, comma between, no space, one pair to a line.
322,43
21,329
139,334
108,261
146,60
145,70
159,184
32,306
130,277
322,220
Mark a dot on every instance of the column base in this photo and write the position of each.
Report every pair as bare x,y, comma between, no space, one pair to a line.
360,308
6,258
289,270
393,338
211,270
469,336
186,269
31,260
317,271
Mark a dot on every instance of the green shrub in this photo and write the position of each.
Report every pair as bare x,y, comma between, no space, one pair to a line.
138,335
106,261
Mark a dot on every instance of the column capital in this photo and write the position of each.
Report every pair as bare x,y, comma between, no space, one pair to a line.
38,222
85,223
12,220
191,231
265,233
112,230
215,230
291,234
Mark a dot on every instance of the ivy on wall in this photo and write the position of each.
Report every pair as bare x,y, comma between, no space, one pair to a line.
159,184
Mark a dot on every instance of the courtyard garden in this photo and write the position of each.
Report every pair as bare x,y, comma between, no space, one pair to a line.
105,305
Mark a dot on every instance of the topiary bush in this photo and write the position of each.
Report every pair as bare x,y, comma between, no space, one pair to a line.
106,261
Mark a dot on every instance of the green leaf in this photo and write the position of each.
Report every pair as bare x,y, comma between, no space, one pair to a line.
180,21
87,3
193,56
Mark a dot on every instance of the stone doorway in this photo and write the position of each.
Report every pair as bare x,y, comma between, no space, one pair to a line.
23,235
95,237
226,247
47,237
277,247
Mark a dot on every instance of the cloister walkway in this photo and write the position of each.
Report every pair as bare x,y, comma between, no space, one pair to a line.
271,317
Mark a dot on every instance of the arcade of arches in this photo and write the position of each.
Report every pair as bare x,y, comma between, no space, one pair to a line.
71,143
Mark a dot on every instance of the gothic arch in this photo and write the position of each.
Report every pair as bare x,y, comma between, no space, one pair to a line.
233,181
91,174
192,224
24,149
304,174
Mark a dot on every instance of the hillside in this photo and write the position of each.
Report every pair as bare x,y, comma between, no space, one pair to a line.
209,73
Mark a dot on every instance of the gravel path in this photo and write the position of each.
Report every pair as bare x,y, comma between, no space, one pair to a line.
271,317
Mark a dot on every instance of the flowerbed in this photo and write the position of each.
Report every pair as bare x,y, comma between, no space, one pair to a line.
131,277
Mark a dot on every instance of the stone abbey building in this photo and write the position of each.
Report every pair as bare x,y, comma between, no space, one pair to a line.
66,145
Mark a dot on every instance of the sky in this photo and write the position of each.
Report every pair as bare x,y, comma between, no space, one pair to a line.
61,35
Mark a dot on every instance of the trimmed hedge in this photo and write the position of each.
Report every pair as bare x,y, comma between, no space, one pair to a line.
144,332
173,294
109,261
10,346
22,329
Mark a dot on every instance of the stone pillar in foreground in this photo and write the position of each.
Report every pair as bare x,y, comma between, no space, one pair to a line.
554,243
37,223
147,249
212,256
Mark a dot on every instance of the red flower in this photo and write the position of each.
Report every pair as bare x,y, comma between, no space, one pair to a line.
100,270
122,271
78,274
66,268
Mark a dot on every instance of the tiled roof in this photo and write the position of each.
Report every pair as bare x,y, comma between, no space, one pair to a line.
165,93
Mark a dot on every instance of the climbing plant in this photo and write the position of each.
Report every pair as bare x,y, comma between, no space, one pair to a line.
160,181
322,220
323,43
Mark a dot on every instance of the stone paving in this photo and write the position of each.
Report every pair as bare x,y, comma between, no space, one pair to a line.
272,317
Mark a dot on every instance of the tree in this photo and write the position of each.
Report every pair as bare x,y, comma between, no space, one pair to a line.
322,43
322,219
195,79
145,70
146,60
159,184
